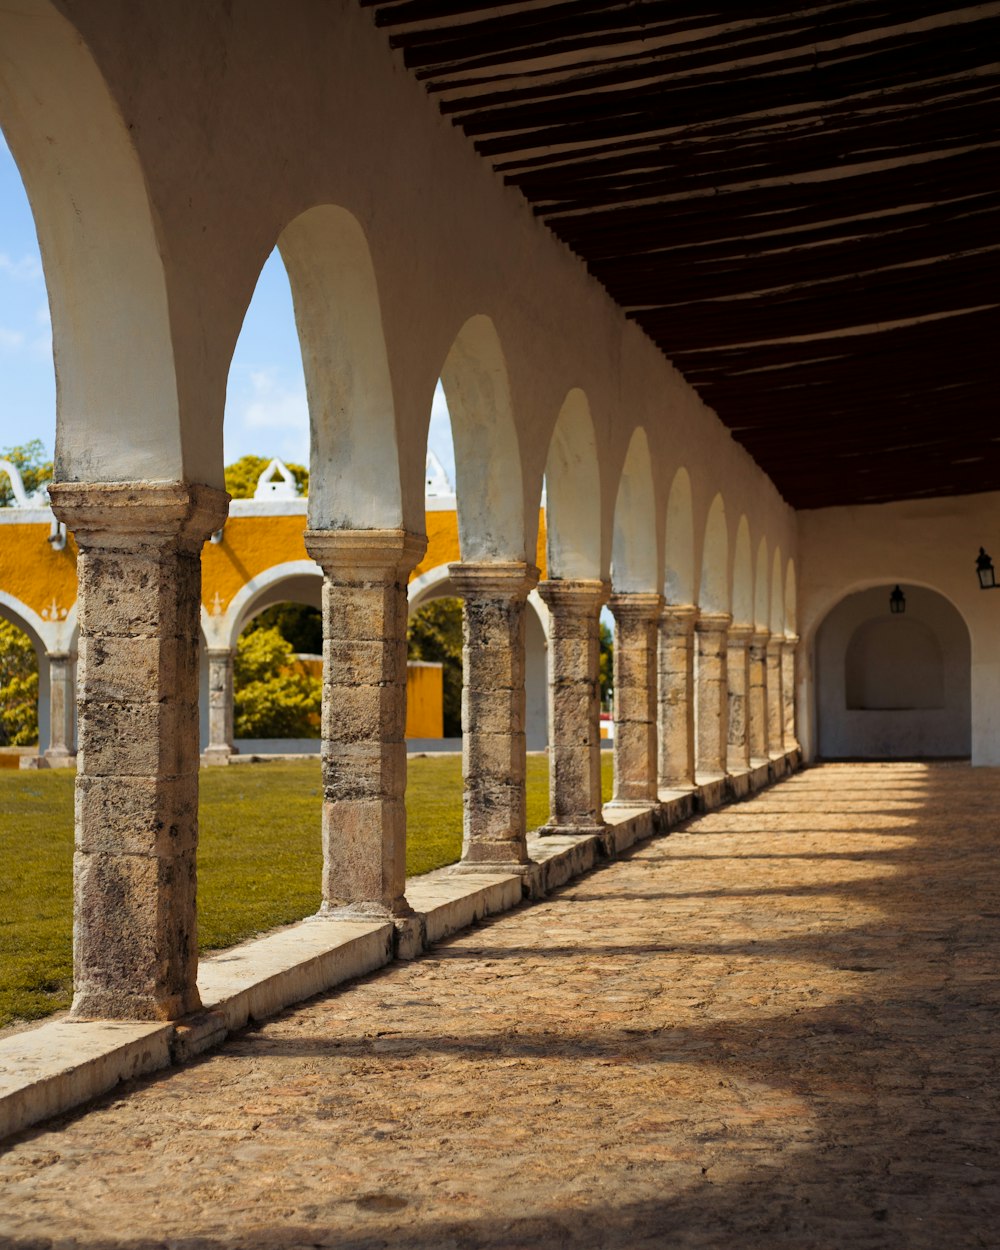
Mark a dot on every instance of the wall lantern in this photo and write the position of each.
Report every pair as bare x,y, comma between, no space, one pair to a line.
897,602
986,571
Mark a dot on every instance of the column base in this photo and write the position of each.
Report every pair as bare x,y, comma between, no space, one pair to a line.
217,755
589,829
629,805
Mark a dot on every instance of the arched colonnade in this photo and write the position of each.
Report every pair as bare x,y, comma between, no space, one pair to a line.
144,326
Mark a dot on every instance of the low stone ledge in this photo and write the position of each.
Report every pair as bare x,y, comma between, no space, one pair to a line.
62,1064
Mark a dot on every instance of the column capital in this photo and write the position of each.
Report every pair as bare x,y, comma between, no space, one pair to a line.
713,622
678,618
791,641
636,605
501,579
774,644
573,596
131,516
760,637
740,633
220,653
60,657
365,555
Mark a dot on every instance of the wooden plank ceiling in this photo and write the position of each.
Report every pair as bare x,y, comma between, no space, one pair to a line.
799,207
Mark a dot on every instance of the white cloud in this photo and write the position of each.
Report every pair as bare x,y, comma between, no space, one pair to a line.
11,340
439,436
269,418
27,268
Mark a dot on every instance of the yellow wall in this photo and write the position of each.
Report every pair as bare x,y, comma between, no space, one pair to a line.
424,701
45,580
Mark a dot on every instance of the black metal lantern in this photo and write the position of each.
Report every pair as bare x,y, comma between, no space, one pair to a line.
897,602
986,571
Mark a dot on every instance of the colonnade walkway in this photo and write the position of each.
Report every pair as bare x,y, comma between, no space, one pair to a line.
778,1026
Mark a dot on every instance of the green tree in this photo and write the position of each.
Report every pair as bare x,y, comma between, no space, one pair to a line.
34,467
435,634
242,476
299,625
607,669
272,699
18,688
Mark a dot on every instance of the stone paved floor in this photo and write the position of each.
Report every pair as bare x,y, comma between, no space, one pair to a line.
778,1027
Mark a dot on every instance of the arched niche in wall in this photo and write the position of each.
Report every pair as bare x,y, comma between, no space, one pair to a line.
119,415
713,593
762,588
893,686
573,494
678,576
488,479
633,548
742,599
354,459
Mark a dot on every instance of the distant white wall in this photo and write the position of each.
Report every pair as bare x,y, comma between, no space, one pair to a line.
893,686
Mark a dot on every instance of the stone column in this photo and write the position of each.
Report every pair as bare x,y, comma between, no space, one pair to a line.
775,700
635,758
493,710
758,697
60,753
738,679
364,716
574,703
675,681
220,707
788,646
135,941
712,719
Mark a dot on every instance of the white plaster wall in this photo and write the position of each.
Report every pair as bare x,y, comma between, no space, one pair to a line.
930,544
244,117
912,670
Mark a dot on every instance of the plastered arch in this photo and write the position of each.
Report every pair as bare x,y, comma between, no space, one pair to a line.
791,600
743,589
678,578
298,581
573,489
777,593
488,477
634,547
111,327
38,632
354,459
761,593
713,592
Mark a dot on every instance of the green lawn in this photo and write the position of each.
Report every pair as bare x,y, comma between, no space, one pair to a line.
258,861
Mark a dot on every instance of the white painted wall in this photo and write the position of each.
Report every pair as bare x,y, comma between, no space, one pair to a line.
893,686
931,544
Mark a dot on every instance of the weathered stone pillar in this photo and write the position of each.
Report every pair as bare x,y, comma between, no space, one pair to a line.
574,703
675,660
220,707
738,680
493,710
712,718
635,758
135,941
60,753
788,646
758,697
364,716
775,700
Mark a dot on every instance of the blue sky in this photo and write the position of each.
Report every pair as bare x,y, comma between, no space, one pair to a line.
266,409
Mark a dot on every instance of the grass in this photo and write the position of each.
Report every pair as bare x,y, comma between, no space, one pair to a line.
259,859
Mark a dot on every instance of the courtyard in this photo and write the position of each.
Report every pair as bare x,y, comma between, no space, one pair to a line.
775,1027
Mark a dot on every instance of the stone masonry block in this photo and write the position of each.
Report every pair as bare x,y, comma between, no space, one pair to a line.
136,815
137,670
364,770
496,756
363,713
353,662
363,613
492,711
137,739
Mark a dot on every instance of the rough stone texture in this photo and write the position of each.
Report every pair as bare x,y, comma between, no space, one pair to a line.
635,665
775,1028
62,693
493,709
712,701
675,682
135,943
574,703
364,716
220,707
757,655
738,712
789,646
775,699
